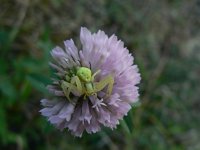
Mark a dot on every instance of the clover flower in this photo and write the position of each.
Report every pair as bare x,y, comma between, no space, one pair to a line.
95,86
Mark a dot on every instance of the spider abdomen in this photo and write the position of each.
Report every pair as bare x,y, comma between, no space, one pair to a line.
89,88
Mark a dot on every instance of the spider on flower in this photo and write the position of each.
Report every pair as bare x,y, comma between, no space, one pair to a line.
83,82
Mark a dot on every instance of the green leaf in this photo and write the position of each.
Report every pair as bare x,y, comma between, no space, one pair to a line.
25,91
38,82
3,125
125,126
129,121
7,88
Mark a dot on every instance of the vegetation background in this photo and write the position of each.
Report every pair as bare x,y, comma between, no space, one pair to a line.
164,37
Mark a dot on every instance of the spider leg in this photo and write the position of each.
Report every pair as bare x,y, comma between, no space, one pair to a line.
108,80
67,78
66,87
72,86
76,80
98,71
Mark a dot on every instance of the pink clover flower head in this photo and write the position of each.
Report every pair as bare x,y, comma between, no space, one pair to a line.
95,86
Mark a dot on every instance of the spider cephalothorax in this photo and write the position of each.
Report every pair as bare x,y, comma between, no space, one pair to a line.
83,82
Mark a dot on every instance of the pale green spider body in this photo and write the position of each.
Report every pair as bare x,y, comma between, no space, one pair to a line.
83,82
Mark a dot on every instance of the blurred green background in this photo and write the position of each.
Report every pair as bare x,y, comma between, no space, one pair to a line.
164,37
